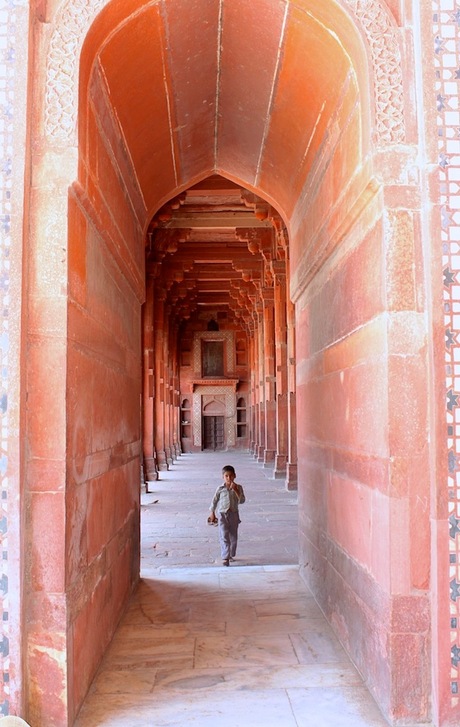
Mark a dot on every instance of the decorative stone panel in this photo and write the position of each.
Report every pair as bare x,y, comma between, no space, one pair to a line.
61,101
226,336
446,24
202,396
13,26
381,34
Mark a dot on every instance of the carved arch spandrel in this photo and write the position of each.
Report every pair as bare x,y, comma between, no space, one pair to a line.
381,32
76,16
72,23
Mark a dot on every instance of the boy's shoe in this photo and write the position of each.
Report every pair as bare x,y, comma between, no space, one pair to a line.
226,561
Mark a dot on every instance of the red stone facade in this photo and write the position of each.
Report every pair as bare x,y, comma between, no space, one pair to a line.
227,224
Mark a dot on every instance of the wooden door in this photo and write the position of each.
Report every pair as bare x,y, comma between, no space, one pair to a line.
212,363
213,432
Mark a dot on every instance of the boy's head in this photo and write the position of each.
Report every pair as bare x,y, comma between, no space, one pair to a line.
228,473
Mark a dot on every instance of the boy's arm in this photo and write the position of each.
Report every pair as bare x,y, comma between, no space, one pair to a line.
215,500
239,493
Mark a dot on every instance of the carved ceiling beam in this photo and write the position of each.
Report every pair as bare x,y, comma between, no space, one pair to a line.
181,220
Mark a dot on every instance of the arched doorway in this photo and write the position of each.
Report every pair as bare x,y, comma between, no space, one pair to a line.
217,263
297,135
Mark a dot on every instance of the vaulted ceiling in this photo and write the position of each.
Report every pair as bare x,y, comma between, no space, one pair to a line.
253,95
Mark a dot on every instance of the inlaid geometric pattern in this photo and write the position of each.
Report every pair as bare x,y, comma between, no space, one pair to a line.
446,27
8,11
205,394
226,336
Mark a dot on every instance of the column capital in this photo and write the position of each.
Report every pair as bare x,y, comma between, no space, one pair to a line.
268,295
278,268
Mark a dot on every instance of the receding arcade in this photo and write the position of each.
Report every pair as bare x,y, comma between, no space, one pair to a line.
218,330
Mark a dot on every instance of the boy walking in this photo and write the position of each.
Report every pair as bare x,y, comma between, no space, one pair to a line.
225,502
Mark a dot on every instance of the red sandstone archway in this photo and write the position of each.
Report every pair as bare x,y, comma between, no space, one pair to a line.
276,97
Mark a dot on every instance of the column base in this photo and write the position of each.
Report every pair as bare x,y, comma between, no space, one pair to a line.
291,477
150,471
280,470
169,457
162,463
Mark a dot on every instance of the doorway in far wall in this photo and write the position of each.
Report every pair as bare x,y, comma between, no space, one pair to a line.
213,433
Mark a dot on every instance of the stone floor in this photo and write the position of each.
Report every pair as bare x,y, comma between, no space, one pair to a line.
202,644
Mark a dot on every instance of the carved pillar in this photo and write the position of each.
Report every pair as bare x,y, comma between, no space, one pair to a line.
150,470
252,358
256,384
177,448
268,354
159,340
167,387
282,415
291,474
260,389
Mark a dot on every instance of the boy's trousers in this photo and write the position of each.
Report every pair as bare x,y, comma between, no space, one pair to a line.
228,533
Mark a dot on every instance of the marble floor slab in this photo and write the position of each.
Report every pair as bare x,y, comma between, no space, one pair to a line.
205,645
223,660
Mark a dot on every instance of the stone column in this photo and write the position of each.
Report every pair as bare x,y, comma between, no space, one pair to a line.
167,388
268,355
291,473
251,392
150,470
260,388
177,448
282,414
159,404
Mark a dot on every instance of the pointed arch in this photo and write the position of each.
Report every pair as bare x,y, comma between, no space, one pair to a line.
75,17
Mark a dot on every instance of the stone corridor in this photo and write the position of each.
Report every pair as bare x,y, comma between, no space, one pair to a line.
243,646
